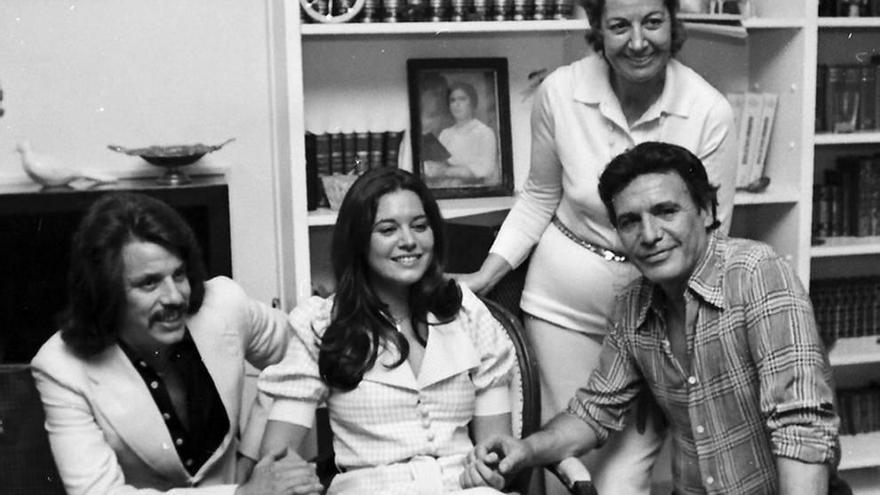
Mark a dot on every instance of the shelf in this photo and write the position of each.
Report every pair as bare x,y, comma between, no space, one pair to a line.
772,195
773,23
451,208
846,246
439,28
849,22
859,451
855,350
828,139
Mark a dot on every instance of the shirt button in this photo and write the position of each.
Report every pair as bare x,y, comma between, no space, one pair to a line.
700,429
166,416
154,385
710,480
424,412
692,380
189,462
178,441
426,423
430,437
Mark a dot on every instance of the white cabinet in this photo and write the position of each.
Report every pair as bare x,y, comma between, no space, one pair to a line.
354,76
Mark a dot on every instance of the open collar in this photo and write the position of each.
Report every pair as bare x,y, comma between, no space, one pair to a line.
706,282
448,353
593,87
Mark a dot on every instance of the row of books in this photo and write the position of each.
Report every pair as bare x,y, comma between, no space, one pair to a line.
859,409
448,10
849,8
754,114
847,307
848,203
846,97
329,153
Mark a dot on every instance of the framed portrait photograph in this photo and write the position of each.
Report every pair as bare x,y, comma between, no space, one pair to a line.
460,126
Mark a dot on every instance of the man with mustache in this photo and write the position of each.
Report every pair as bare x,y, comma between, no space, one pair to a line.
719,330
142,386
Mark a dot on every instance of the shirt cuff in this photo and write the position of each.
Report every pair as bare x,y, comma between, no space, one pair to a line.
576,409
490,402
809,445
293,411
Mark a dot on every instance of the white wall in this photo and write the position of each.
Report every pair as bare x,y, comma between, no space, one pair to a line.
80,74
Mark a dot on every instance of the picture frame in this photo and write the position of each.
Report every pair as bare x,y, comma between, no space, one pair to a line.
460,126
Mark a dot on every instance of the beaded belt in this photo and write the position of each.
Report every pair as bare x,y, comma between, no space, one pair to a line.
608,254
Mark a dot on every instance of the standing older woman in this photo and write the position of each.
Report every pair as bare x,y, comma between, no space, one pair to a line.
405,360
629,91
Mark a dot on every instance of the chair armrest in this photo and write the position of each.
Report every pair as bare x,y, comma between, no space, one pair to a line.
574,475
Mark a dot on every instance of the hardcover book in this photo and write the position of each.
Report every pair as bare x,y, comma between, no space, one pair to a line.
432,149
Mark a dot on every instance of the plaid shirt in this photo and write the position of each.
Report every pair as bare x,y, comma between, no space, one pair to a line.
759,384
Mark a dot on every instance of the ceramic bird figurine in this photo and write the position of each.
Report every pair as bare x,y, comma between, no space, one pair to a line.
49,172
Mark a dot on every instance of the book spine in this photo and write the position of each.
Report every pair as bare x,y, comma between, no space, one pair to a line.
768,115
337,161
322,158
833,88
377,149
846,107
865,180
392,147
747,138
349,155
821,88
867,97
822,213
362,151
313,182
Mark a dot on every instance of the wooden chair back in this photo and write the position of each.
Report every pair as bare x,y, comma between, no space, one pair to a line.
26,463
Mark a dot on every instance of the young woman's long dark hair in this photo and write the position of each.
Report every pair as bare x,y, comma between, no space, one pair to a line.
361,323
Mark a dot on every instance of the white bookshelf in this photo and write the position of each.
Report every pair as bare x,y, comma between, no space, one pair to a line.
855,350
859,451
835,247
829,139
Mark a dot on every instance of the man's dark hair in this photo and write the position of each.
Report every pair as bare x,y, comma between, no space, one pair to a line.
658,158
96,291
595,8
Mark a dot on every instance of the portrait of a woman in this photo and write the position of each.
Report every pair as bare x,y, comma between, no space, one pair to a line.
466,152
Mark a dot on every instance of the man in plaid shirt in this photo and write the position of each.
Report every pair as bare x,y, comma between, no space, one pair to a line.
718,329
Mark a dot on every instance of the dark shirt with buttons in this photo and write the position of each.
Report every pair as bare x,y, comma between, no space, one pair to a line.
208,422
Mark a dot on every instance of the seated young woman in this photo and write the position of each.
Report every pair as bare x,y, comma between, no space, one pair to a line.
406,361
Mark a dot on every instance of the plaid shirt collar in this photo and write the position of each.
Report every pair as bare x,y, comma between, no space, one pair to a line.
707,283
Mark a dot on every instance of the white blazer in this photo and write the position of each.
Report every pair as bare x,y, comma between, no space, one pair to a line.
106,433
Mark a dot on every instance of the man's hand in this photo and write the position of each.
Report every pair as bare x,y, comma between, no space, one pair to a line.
279,473
497,459
481,472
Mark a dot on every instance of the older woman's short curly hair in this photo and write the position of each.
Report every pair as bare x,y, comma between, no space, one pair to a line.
595,8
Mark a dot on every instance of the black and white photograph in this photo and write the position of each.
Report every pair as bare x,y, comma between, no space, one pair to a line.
460,122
